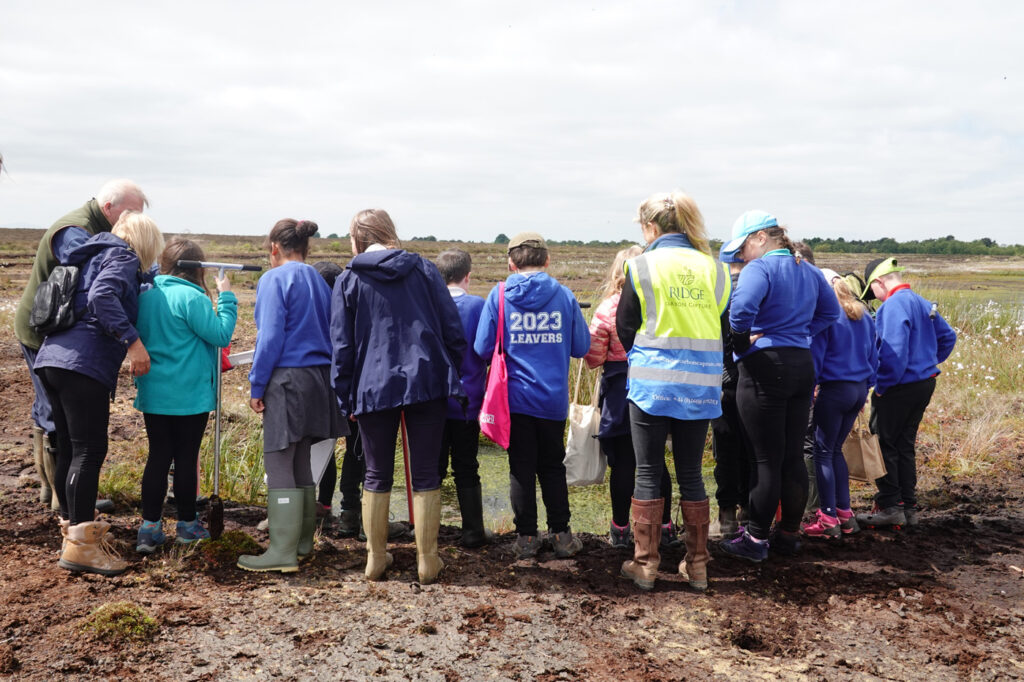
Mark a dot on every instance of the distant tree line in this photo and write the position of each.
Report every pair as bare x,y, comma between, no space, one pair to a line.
948,245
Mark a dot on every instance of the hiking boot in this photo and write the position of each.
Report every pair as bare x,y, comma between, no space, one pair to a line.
643,568
784,542
728,524
910,513
188,532
847,523
349,524
881,518
619,537
151,537
88,550
566,544
744,546
526,546
323,511
669,536
396,530
824,526
696,521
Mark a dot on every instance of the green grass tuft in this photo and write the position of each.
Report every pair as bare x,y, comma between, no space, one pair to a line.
121,621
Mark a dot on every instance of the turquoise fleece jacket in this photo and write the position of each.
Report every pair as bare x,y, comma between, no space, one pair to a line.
182,333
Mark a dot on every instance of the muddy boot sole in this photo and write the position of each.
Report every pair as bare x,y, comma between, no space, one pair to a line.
643,583
81,568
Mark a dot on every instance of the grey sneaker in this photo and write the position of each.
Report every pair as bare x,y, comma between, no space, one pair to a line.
619,536
880,518
911,515
565,543
526,546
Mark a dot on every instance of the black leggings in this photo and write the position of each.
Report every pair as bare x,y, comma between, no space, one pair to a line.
172,438
774,397
622,462
650,433
81,413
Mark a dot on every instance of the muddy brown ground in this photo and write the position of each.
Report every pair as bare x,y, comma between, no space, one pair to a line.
937,602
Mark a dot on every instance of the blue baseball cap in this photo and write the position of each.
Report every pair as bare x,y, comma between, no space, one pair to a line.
728,256
746,225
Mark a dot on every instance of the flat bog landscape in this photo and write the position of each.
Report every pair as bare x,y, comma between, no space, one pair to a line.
941,601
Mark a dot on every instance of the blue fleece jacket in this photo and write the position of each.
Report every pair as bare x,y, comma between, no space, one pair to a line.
182,333
543,328
108,298
911,342
396,334
293,310
785,300
846,350
474,368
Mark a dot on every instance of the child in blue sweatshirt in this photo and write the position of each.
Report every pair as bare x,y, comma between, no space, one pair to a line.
845,360
913,339
461,439
543,328
291,388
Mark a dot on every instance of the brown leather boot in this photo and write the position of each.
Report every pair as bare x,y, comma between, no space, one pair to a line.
643,568
87,549
696,519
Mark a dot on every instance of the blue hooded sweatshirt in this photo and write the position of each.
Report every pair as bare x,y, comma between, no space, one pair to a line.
846,350
108,298
543,328
293,309
474,368
785,300
395,332
911,341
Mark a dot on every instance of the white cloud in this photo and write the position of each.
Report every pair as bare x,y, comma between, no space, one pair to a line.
468,119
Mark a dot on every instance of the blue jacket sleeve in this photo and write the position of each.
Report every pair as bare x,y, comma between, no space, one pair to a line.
343,353
893,329
115,280
270,319
751,288
65,240
819,345
827,309
873,351
215,328
487,328
946,337
580,330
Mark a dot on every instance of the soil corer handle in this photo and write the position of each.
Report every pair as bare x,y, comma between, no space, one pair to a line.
221,267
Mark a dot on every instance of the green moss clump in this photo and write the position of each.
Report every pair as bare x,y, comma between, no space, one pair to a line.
225,550
121,621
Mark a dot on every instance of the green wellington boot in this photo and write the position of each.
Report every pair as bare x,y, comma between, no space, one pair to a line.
305,547
45,491
375,525
284,512
426,508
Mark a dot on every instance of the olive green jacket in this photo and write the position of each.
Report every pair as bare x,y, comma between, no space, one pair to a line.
90,218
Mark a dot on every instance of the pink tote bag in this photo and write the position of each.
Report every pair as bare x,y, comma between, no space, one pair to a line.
495,422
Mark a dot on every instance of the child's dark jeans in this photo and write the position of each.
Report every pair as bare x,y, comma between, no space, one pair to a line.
535,452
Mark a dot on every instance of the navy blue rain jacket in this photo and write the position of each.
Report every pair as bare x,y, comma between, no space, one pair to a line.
396,335
108,296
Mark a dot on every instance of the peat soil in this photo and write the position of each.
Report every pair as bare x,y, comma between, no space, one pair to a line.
940,601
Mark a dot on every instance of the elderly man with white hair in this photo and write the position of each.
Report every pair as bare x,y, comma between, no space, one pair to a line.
95,216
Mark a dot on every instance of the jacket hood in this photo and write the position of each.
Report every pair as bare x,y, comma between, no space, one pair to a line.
531,292
387,266
165,281
92,246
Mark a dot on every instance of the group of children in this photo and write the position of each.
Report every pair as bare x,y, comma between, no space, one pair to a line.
746,344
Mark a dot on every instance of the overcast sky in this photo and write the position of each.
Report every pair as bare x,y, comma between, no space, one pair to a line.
466,119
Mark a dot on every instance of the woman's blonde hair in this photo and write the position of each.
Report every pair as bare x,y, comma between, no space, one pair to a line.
142,235
676,212
853,308
373,226
616,278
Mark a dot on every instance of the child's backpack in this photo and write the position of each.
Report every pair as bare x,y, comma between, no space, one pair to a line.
53,308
